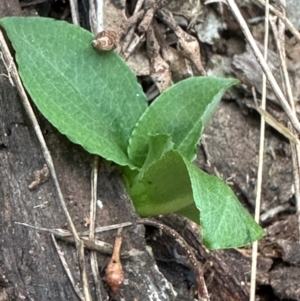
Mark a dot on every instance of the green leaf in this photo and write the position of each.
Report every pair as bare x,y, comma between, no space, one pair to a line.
91,97
164,188
175,185
181,112
224,221
96,101
158,146
191,212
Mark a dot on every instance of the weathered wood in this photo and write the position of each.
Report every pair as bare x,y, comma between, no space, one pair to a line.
29,265
226,271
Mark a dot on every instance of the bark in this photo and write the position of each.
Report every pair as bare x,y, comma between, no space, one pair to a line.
226,271
29,265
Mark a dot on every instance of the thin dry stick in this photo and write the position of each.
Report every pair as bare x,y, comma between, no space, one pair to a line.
272,212
93,207
96,15
67,269
261,160
96,22
127,48
269,119
260,59
15,76
147,20
65,233
281,16
191,258
296,172
8,75
96,245
187,44
280,41
74,12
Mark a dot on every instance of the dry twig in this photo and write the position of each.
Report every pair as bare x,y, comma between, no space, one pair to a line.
25,101
269,119
177,62
129,43
261,160
67,269
96,245
191,258
159,69
296,171
260,59
279,34
282,16
96,15
74,11
187,44
93,208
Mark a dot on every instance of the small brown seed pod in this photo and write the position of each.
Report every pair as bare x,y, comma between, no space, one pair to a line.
105,40
114,275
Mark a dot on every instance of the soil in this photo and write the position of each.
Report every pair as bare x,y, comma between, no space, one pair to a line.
30,268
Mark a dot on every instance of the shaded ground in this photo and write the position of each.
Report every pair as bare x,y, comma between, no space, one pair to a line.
229,149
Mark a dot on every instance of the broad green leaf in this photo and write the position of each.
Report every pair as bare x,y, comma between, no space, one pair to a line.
91,97
175,185
158,146
191,212
181,112
164,188
224,221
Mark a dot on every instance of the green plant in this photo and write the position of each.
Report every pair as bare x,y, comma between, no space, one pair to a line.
95,100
